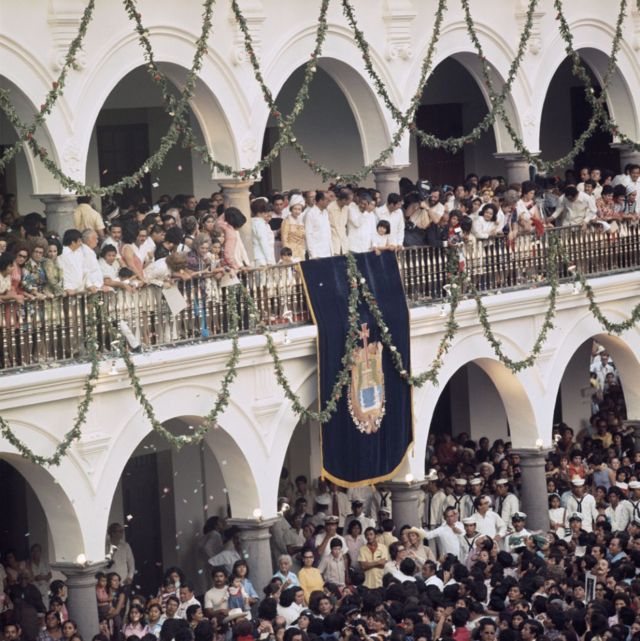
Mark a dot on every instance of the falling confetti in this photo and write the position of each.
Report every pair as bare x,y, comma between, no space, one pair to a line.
177,547
224,462
200,571
166,490
129,517
179,167
105,172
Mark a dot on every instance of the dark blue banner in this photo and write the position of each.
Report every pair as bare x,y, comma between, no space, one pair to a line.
368,437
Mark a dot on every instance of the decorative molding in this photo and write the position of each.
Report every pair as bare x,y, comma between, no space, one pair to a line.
398,16
91,447
635,21
535,39
249,150
64,20
253,11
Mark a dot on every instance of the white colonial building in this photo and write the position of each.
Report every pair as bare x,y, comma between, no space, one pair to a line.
111,117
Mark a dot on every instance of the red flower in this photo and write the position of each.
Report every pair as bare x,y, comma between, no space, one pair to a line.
55,84
29,136
42,108
276,114
156,77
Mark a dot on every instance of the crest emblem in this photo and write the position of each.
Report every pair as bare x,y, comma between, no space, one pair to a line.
365,395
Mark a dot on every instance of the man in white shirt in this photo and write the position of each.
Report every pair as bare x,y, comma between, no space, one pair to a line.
620,510
357,514
338,217
361,227
448,534
318,228
518,534
633,184
323,540
187,599
92,274
216,598
392,212
120,553
434,502
602,366
461,501
574,208
469,538
114,238
262,234
507,503
429,570
581,502
72,262
487,521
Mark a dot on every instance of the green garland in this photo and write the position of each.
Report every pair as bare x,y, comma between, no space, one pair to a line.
26,132
222,399
93,305
167,142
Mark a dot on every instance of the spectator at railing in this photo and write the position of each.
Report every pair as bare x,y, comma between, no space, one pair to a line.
318,228
292,231
54,273
574,208
86,217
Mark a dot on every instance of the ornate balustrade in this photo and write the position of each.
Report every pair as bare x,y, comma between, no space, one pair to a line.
46,333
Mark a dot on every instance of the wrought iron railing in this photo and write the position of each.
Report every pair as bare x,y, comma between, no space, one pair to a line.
49,332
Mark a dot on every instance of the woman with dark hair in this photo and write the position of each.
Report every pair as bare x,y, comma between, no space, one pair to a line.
69,629
241,571
118,602
234,257
54,278
172,579
355,540
485,225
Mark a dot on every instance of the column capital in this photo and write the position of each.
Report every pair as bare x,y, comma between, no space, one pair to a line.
513,156
389,169
247,526
235,184
79,574
531,455
58,211
401,487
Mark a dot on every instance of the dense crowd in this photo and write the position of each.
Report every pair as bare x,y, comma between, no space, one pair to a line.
344,569
138,243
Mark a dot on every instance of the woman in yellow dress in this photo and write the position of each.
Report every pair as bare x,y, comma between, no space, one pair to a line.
292,231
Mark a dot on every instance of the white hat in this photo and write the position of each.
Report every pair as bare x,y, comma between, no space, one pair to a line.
476,481
577,481
296,199
323,499
469,521
432,475
486,464
623,486
575,515
234,613
634,485
502,481
460,481
519,515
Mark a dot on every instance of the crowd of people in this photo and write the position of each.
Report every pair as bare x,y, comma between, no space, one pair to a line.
139,243
344,569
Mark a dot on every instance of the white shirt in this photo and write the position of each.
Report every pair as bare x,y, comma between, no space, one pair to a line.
318,232
396,222
586,506
91,268
72,263
506,507
580,211
449,540
434,580
181,612
263,242
483,228
361,229
327,550
123,562
490,524
620,516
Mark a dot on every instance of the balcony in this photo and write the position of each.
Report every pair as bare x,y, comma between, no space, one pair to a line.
52,332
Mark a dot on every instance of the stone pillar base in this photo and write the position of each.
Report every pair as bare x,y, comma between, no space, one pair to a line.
58,210
404,502
628,155
255,539
81,584
533,489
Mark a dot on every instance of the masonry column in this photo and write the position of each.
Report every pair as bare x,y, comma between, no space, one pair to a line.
387,181
517,167
628,155
533,490
236,194
58,210
404,502
255,541
81,584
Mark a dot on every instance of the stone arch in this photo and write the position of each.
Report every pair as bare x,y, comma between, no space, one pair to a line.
454,43
24,93
236,442
53,488
218,101
519,393
592,39
623,350
342,60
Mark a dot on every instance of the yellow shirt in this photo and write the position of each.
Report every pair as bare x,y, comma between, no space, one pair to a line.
310,579
373,576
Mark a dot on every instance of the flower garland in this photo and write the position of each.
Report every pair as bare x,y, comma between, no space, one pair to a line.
93,306
222,399
452,144
599,114
167,142
25,132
